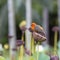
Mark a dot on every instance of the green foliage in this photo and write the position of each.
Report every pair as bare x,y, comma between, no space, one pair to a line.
4,40
37,9
44,3
2,58
2,2
43,56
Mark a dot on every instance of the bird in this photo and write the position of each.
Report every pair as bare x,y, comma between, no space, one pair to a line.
37,32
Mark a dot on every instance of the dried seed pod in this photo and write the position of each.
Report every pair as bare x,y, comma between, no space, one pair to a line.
28,52
22,25
54,58
38,37
56,28
19,42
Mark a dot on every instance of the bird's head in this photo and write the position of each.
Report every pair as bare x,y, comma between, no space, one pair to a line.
33,26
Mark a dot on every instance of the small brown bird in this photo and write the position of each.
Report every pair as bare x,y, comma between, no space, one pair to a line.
37,32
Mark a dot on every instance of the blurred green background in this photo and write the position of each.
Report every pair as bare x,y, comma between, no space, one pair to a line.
20,11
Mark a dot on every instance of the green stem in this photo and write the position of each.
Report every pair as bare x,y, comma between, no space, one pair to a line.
38,52
21,49
32,45
55,43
